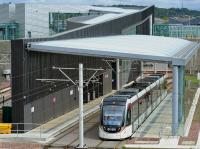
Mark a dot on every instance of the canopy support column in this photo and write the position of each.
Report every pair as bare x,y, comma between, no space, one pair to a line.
175,101
181,94
117,75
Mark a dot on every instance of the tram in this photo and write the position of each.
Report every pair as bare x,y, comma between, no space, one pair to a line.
122,113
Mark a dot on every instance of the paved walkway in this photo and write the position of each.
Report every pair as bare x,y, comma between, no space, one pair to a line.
158,124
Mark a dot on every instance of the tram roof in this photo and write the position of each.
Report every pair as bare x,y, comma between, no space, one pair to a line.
143,47
147,79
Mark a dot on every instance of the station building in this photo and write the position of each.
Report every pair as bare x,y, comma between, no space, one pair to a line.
30,20
35,101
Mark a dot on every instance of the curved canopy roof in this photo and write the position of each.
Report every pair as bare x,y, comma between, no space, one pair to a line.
144,47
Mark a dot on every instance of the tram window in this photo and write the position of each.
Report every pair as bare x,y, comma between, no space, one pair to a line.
128,118
113,115
142,106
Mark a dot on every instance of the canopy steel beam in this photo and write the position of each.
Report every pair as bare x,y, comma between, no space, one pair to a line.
43,80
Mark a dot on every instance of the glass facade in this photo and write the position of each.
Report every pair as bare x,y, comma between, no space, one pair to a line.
58,21
9,31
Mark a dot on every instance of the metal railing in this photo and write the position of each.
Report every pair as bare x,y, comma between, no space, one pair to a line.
28,130
157,130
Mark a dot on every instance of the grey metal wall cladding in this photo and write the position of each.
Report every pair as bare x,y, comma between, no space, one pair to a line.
144,28
73,25
38,114
17,58
51,106
28,66
48,110
107,82
28,116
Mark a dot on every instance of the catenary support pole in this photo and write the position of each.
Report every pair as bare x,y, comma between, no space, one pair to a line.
117,75
175,101
151,25
81,128
142,68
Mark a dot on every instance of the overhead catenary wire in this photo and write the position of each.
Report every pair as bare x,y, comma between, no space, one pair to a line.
28,75
40,91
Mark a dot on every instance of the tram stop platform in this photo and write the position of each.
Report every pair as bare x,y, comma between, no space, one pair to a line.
48,131
152,128
158,124
155,132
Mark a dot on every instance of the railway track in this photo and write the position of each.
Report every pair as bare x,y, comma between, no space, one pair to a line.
69,139
54,144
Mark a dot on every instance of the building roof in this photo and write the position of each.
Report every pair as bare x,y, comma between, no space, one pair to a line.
111,13
144,47
102,18
113,9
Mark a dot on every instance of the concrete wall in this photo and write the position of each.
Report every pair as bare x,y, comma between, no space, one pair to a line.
7,13
4,13
12,12
20,19
5,46
36,20
5,50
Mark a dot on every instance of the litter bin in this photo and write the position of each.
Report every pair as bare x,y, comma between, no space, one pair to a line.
5,128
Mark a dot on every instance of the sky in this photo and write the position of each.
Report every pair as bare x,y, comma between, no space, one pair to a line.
190,4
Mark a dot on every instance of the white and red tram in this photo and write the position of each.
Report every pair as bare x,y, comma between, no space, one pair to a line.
122,113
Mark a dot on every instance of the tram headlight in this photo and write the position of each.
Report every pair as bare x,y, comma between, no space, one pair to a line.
118,129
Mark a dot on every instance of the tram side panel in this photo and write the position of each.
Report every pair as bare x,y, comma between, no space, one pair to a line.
148,105
142,108
135,115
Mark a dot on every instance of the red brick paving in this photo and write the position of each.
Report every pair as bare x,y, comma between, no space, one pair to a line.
193,134
194,129
143,140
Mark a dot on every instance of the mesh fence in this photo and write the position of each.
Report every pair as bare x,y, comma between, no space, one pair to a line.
177,31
